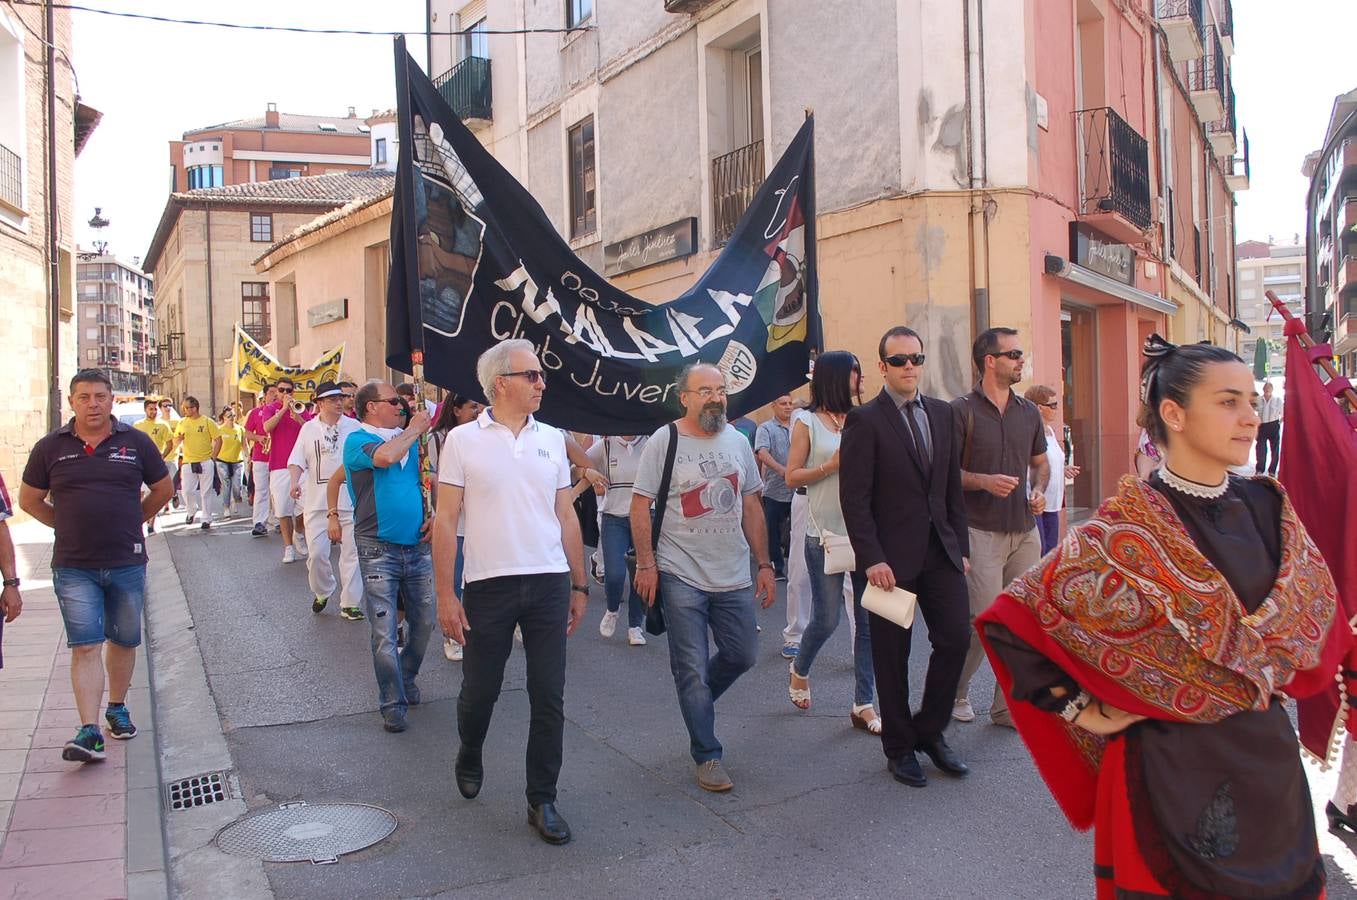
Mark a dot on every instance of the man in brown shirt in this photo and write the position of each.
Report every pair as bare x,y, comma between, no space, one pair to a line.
1004,472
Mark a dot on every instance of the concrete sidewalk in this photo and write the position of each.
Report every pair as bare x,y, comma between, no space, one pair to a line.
67,829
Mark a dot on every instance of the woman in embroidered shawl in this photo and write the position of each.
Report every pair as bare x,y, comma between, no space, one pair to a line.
1146,657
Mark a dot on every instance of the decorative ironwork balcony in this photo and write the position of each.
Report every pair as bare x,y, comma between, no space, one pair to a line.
1205,79
175,347
1182,22
466,87
1115,193
1226,23
11,178
734,179
1237,177
1221,132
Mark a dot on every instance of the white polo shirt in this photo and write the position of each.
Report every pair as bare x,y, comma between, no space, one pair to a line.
509,487
319,451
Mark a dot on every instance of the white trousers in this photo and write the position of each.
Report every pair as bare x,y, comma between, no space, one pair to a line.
259,475
198,488
320,571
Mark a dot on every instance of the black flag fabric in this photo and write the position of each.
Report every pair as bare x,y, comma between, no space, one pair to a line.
475,260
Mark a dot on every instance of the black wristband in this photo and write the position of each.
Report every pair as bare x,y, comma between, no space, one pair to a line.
579,589
10,582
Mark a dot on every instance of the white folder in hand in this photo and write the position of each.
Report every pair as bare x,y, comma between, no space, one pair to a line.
896,604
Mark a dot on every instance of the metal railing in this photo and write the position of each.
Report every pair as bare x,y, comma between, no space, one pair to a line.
466,87
735,177
11,177
175,347
1226,18
1208,73
1116,166
1181,9
1227,124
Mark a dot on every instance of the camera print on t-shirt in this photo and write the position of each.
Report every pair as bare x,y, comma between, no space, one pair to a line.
709,492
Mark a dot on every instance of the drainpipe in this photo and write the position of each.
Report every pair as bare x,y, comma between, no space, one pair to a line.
53,235
1163,156
211,334
979,294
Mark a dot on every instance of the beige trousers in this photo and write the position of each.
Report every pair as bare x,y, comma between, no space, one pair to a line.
996,559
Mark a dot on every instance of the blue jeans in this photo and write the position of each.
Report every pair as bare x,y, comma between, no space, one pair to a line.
826,600
616,541
699,680
101,604
776,513
390,571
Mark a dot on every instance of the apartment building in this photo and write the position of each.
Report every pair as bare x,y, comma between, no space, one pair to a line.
1263,266
115,320
275,146
1331,234
1066,167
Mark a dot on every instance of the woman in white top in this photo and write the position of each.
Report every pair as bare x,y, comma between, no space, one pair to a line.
813,462
456,410
617,458
1048,523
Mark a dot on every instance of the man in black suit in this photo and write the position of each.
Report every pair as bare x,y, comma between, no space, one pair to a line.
900,486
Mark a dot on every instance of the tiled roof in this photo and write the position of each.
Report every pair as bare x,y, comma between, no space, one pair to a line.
333,188
329,218
288,122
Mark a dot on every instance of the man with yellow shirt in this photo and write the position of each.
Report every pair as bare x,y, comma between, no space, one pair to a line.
230,461
200,440
160,435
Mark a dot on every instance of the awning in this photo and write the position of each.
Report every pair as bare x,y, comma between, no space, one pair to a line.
1059,266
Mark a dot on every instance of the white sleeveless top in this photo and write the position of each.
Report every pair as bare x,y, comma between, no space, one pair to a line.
825,512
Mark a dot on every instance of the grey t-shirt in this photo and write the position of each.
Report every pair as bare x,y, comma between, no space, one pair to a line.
776,438
701,539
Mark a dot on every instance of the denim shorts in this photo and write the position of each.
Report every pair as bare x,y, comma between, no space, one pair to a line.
101,604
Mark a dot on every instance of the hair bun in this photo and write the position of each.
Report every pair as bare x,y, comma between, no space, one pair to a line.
1156,347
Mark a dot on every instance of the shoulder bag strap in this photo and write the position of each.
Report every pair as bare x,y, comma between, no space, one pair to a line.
966,436
662,498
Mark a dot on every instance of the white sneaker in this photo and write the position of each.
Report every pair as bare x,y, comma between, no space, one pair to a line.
452,650
608,625
962,712
289,554
636,637
300,550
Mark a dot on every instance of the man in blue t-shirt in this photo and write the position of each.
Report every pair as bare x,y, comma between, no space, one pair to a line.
381,466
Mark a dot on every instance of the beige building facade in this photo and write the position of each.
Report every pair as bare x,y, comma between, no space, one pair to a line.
1261,267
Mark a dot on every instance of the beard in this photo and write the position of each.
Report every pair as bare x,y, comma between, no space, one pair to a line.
712,418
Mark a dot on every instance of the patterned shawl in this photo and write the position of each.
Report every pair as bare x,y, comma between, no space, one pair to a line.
1131,609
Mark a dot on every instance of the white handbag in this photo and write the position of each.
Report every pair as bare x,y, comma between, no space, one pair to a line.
839,556
897,604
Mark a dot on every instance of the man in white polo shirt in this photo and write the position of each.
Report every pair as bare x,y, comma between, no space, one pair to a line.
319,451
524,567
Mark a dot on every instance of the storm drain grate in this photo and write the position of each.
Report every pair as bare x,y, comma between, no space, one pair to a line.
298,832
197,790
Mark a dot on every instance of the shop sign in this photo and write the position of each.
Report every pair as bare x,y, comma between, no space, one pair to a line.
324,313
1095,251
658,245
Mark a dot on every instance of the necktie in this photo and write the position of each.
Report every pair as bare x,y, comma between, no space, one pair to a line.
913,408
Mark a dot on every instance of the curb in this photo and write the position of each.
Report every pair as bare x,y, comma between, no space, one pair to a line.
190,742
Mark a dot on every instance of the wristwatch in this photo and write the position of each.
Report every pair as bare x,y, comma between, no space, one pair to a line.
10,582
1075,706
579,589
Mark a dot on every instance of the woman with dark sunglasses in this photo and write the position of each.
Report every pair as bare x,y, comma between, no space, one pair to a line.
813,464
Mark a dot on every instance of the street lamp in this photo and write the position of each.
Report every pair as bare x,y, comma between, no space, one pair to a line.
99,223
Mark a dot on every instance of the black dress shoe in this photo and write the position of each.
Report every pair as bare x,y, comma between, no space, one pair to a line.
907,770
944,757
1338,820
468,772
548,823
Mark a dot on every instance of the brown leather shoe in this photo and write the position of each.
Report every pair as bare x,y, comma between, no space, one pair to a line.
711,777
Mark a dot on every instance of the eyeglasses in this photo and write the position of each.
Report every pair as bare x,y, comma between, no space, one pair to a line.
1054,404
284,390
533,375
394,401
899,359
1014,354
709,393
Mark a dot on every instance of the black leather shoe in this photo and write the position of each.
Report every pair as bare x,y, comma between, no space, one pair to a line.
468,772
907,770
944,757
1338,820
549,824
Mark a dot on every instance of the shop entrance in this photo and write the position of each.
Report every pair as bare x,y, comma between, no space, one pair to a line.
1079,371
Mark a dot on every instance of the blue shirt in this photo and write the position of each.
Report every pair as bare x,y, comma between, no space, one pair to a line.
387,503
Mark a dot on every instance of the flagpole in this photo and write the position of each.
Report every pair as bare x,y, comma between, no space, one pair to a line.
1325,362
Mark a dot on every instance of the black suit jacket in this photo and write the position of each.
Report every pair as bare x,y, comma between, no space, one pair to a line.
888,504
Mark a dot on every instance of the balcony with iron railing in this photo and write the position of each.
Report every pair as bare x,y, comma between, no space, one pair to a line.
735,177
1205,79
11,178
1237,172
1225,19
1221,133
1182,21
1114,195
466,88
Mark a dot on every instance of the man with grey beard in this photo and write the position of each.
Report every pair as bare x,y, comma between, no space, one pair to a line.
712,521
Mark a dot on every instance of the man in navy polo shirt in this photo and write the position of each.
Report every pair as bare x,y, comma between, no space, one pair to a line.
93,469
381,465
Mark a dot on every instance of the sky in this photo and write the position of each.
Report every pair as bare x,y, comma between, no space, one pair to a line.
155,81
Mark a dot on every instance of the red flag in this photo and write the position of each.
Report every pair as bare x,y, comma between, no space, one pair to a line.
1319,471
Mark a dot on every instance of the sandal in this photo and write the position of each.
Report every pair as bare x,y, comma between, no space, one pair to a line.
872,725
800,696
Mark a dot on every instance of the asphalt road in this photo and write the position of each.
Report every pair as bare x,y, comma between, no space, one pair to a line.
813,813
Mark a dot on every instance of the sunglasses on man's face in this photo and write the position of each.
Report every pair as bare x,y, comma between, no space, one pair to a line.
394,401
285,390
1014,355
898,360
533,375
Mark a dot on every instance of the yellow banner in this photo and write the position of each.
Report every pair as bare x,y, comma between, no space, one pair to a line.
253,367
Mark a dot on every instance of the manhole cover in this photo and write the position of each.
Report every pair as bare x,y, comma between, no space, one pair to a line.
297,832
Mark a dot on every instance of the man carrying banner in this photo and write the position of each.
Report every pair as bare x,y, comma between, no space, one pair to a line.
524,568
714,518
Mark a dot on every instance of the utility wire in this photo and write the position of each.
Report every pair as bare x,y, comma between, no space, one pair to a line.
296,29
